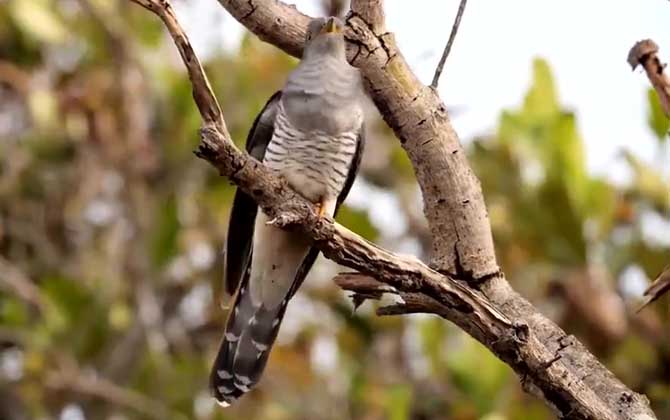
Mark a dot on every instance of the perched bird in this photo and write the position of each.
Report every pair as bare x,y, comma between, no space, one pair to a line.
311,133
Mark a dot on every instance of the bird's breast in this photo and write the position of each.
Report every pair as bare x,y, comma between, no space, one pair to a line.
314,162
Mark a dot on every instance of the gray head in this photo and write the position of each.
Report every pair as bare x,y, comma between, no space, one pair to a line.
324,36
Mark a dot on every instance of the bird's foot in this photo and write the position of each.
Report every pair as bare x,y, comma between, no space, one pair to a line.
320,209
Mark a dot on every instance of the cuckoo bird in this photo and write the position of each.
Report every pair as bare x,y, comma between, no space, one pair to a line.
311,133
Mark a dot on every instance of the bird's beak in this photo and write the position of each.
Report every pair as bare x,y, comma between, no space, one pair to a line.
331,27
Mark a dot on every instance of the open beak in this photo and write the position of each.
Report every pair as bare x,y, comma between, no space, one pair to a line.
331,27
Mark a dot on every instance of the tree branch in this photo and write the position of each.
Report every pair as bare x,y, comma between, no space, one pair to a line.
15,281
550,364
657,288
447,48
645,54
73,379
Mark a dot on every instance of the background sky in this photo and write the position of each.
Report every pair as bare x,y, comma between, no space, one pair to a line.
586,43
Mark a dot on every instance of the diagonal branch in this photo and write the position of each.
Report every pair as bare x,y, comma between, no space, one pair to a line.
450,42
15,281
551,365
202,91
658,288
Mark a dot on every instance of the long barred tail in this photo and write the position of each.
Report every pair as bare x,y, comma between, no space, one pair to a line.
250,333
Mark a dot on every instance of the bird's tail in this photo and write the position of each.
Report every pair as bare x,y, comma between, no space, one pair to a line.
250,333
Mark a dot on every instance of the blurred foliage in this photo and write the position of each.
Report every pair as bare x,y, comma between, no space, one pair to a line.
110,231
658,122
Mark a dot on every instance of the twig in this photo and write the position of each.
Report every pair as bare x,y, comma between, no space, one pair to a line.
13,279
644,53
365,287
447,48
73,379
659,287
202,91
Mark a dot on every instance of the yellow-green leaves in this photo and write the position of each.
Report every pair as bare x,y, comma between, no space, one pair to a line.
39,20
658,122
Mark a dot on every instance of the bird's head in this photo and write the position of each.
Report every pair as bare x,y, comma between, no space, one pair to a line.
324,36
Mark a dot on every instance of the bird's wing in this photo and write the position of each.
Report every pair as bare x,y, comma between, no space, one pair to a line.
313,253
353,169
243,213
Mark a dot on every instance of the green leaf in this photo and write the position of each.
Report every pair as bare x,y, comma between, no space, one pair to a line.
648,183
433,334
357,221
477,373
68,295
567,161
398,402
541,101
12,311
38,20
658,122
166,230
600,205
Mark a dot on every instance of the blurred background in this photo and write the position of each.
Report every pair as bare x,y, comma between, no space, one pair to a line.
111,298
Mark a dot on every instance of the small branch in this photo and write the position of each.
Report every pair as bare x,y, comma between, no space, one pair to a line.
87,383
645,53
15,281
202,91
447,48
365,287
659,287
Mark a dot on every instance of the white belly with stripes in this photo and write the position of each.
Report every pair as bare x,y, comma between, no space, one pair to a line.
315,163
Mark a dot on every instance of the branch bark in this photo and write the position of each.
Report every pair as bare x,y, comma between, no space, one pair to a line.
464,283
645,53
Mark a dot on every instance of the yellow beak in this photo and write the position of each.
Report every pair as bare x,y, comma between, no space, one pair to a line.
330,27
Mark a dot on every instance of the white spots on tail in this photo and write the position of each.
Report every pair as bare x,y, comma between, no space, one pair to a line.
224,374
224,390
242,387
232,337
244,380
222,403
259,346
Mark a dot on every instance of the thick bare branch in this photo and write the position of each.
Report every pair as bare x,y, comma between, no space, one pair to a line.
550,364
450,43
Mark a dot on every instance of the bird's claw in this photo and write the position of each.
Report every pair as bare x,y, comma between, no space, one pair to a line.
320,209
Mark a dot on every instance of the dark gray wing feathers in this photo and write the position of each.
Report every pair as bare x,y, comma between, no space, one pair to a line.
237,254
